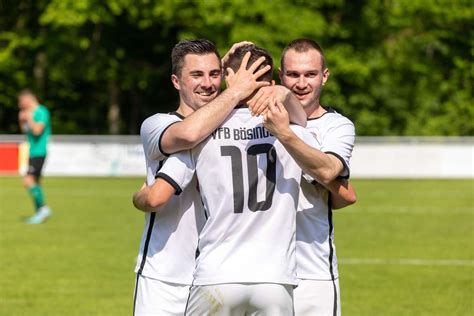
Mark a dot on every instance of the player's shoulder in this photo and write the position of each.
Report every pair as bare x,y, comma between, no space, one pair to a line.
159,120
306,135
297,129
41,108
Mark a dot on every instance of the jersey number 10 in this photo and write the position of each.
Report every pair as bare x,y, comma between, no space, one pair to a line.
252,167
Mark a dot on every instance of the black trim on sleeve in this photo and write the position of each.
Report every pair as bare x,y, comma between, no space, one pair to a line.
177,114
159,140
160,164
344,164
168,179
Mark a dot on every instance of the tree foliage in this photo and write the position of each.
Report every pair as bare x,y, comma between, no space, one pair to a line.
397,67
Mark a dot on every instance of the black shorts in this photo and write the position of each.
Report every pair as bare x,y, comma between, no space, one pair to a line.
35,166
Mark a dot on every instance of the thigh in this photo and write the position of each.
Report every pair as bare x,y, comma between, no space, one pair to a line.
314,297
219,299
155,297
35,167
271,299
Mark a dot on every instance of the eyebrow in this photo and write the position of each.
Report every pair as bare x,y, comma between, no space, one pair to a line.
200,72
296,71
196,72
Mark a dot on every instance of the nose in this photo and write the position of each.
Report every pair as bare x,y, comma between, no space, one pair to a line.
206,82
301,83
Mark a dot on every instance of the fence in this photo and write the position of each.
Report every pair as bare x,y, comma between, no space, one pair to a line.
373,157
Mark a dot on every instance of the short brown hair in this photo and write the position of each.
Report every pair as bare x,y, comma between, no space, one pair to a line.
27,92
301,45
235,60
186,47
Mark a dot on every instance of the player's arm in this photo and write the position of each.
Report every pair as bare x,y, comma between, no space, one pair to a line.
153,198
266,95
23,120
36,128
321,166
200,124
174,175
342,193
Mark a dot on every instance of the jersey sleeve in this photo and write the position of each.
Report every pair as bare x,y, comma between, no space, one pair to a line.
339,141
151,133
41,116
178,170
309,139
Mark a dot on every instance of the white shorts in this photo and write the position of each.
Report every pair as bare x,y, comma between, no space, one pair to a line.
315,297
155,297
241,299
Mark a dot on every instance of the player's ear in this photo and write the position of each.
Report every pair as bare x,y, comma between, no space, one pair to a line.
280,74
272,83
175,81
326,74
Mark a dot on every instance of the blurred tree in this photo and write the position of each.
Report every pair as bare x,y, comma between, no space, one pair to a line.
397,67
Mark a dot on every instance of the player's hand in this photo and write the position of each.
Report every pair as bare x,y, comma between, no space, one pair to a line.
259,103
244,82
276,119
24,115
232,50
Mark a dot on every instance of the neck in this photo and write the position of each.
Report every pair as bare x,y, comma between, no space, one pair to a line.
315,110
184,109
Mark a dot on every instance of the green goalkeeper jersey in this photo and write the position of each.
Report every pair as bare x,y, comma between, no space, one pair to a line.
38,143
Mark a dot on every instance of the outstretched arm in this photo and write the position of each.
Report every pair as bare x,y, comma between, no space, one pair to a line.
153,198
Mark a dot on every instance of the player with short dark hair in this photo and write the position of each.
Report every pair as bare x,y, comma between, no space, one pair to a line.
34,120
304,72
166,259
249,185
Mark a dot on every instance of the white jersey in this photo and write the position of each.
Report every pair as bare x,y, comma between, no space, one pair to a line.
315,249
169,241
250,186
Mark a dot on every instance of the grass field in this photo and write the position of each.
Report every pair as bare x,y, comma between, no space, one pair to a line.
405,248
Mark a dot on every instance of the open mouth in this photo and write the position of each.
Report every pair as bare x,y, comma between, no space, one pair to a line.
206,94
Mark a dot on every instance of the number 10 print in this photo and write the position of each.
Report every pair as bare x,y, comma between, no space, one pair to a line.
252,167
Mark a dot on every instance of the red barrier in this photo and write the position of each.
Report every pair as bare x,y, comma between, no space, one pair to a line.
9,158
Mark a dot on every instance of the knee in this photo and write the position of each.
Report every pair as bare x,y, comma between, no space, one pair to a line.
28,181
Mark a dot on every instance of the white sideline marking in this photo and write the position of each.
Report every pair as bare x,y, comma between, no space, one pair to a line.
407,262
404,210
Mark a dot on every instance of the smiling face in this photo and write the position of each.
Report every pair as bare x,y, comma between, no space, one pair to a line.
199,81
303,74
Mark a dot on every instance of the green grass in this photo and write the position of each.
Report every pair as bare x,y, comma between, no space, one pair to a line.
81,262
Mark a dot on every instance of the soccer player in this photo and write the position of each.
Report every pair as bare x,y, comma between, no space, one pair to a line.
34,121
249,185
169,242
304,72
168,247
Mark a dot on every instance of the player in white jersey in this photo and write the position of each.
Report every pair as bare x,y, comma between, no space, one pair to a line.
250,187
303,71
168,247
